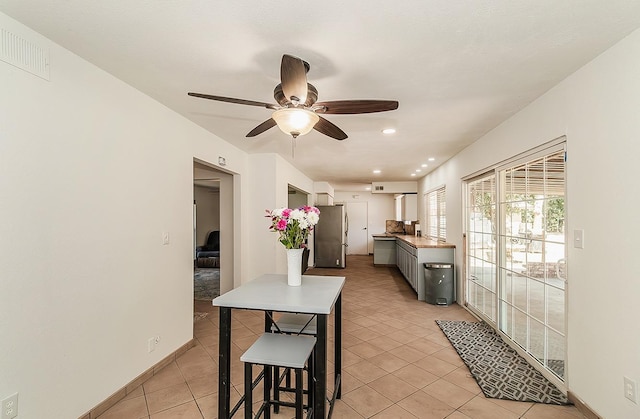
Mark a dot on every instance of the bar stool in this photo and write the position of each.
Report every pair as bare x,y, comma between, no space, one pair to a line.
276,350
293,324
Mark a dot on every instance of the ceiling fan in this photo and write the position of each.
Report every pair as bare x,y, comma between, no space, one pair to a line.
297,112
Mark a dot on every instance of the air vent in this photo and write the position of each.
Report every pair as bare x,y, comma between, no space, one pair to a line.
379,188
23,54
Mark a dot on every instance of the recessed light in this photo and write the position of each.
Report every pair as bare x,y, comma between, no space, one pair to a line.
413,174
424,165
377,171
418,170
368,188
389,131
431,158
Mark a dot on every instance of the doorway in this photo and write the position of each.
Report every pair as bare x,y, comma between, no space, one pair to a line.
357,228
213,198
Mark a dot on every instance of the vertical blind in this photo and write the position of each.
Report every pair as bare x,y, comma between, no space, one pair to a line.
436,214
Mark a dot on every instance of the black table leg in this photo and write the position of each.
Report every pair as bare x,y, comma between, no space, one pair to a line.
268,321
320,369
224,364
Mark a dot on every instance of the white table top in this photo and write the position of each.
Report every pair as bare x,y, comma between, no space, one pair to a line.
316,295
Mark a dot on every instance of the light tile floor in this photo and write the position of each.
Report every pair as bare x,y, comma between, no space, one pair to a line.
396,362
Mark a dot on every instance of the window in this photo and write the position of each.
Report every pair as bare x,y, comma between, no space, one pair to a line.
436,214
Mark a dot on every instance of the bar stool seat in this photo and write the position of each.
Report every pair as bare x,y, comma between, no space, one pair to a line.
296,324
276,350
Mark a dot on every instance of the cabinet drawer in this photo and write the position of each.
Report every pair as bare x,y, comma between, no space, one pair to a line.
408,248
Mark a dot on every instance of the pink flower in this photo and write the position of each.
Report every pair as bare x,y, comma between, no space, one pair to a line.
293,225
282,224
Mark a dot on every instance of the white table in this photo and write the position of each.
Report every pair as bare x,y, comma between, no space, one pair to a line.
318,295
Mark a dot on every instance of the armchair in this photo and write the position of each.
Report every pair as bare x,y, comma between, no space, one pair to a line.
208,255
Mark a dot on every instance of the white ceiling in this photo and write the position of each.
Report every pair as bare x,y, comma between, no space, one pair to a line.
458,68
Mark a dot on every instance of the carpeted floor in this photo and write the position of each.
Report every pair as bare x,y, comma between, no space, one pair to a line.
499,370
206,283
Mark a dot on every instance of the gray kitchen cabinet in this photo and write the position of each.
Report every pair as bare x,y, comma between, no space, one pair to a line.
409,260
384,251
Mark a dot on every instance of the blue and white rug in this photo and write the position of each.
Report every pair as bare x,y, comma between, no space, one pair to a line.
206,283
498,369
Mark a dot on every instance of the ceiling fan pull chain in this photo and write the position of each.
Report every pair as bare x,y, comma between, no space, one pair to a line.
293,147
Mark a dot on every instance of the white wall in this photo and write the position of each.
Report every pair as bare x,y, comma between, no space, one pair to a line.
598,109
380,209
271,176
92,173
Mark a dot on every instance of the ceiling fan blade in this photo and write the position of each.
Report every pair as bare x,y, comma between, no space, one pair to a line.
269,123
356,106
293,75
234,100
329,128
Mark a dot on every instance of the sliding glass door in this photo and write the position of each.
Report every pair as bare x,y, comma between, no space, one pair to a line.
481,262
516,254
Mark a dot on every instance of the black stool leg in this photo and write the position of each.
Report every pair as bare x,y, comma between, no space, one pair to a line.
310,382
248,392
299,393
276,389
267,382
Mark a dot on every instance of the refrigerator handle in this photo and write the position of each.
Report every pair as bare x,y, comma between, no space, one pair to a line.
346,223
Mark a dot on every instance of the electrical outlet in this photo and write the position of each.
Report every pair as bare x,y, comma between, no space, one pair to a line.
9,407
630,390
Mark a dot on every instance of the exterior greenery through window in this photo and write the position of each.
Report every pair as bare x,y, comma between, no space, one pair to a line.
436,214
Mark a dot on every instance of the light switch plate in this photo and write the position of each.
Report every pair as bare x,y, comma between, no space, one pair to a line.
578,239
630,390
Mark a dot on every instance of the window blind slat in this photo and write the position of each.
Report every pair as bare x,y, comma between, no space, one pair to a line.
436,215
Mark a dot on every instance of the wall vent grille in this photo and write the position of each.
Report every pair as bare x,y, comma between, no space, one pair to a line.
379,188
23,54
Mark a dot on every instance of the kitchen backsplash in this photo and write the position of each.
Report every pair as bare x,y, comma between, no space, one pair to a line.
394,226
399,227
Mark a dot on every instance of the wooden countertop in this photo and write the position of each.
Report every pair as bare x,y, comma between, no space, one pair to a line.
417,242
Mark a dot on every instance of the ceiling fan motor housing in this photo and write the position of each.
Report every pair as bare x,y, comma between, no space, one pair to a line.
312,95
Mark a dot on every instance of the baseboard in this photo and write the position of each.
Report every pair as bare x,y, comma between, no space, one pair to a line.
136,382
582,406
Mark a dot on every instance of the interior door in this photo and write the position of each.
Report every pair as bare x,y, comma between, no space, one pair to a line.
358,234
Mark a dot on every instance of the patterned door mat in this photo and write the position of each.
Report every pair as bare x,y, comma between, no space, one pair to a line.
498,369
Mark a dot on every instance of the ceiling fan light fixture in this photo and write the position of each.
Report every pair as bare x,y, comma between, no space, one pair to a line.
295,121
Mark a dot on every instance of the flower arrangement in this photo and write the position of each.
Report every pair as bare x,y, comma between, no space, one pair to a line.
293,225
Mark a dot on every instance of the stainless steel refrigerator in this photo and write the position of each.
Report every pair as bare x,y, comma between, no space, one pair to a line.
330,237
